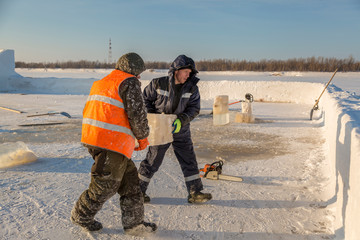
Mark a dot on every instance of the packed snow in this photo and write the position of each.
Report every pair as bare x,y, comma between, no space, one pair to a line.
286,160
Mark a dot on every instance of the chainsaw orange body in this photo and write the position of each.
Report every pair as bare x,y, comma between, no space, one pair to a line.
213,171
215,166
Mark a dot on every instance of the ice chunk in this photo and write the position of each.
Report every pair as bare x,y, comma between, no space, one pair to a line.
15,153
221,110
160,128
246,107
246,115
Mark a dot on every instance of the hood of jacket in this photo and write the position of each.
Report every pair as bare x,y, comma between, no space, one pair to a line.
181,62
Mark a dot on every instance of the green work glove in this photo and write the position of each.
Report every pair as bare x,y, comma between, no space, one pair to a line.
177,126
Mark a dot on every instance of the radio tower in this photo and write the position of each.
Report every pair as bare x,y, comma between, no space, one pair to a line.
110,53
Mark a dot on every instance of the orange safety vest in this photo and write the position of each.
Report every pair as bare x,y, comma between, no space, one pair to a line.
105,123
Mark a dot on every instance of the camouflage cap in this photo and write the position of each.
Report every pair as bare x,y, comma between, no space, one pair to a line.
131,63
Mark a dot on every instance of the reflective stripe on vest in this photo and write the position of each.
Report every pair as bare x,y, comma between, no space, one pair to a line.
105,122
106,100
108,126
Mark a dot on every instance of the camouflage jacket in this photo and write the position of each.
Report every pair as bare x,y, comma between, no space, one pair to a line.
130,93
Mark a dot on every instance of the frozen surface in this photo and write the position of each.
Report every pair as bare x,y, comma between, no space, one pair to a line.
281,158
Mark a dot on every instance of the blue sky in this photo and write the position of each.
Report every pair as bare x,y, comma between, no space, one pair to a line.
159,30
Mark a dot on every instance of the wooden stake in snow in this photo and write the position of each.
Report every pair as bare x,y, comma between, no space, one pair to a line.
12,110
51,113
316,107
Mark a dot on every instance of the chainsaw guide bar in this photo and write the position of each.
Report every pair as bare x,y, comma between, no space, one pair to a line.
214,175
214,171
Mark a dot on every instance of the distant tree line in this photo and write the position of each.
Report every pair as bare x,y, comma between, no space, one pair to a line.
68,64
313,64
319,64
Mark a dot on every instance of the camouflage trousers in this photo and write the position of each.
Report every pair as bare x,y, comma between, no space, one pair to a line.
111,173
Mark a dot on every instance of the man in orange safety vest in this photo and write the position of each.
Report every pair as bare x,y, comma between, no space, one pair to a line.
115,117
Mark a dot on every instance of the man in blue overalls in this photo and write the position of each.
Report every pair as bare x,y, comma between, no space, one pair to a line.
178,94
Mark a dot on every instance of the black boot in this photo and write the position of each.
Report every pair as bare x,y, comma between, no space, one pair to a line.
199,197
141,230
90,226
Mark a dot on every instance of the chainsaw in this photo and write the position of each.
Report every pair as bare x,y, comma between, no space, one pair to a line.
214,171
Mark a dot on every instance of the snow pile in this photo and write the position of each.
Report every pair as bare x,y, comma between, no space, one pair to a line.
265,91
7,68
13,154
50,85
342,121
273,91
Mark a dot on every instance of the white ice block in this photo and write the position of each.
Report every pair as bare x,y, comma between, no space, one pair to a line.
221,110
160,128
246,107
15,153
246,115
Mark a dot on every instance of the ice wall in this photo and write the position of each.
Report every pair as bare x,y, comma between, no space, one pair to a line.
50,85
10,81
273,91
7,68
342,118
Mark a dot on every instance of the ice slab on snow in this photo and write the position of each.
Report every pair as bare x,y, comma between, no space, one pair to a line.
160,128
246,115
221,110
15,153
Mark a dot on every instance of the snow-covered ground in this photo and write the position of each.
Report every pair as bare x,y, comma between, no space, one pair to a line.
296,171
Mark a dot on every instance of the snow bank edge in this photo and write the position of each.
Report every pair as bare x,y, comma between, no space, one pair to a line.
343,136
